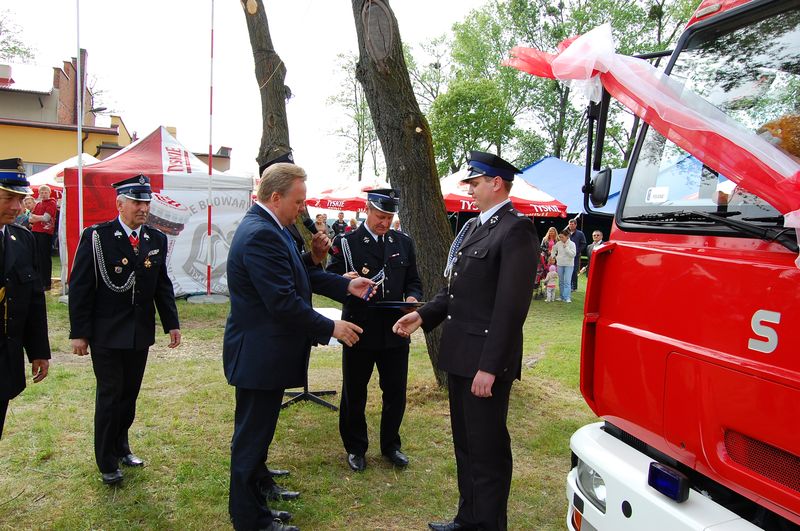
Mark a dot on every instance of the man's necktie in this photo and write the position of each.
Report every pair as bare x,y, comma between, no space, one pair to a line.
134,239
381,245
2,258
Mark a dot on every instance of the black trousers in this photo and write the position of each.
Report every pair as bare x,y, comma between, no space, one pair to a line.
3,409
483,453
254,427
119,377
575,271
357,365
44,245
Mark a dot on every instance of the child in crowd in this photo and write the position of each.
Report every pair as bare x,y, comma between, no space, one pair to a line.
550,283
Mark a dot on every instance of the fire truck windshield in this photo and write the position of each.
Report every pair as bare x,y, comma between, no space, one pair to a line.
749,68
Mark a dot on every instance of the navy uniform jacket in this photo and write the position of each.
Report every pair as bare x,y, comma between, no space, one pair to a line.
402,280
488,298
26,326
272,325
111,318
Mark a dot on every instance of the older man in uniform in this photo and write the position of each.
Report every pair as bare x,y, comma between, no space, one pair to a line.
387,257
118,280
24,325
490,274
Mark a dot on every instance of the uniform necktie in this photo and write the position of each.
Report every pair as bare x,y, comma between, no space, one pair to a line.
2,258
381,245
134,239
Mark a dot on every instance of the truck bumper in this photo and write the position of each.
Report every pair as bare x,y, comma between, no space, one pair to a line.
631,504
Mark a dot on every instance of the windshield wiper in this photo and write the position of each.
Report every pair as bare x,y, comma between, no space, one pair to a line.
771,234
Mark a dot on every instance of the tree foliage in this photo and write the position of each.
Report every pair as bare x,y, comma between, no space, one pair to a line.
471,115
358,131
12,47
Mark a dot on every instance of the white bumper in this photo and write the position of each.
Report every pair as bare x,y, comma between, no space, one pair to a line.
624,471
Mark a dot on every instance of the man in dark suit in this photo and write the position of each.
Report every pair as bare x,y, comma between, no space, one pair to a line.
24,325
386,256
597,240
490,275
118,279
579,239
270,331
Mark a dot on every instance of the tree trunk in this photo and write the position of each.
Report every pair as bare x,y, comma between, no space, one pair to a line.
270,74
407,146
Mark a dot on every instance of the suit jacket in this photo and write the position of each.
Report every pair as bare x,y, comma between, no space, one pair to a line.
26,325
399,262
272,325
112,316
487,301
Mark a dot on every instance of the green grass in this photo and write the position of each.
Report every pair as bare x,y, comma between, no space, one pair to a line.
48,479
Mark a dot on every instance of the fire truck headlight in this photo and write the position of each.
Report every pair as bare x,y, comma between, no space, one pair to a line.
592,485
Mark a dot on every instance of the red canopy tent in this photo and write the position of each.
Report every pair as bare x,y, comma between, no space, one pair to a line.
351,197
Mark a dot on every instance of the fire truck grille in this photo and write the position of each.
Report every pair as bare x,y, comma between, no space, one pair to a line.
771,462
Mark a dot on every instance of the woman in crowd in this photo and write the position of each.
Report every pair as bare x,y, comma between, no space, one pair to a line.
549,241
564,253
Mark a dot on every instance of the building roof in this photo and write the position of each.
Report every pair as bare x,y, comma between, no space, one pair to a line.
29,78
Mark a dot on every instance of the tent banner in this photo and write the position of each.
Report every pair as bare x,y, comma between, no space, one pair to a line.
183,216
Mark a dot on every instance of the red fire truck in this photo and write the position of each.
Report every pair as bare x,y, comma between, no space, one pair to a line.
691,336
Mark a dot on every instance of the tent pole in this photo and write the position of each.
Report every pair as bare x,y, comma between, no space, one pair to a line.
210,154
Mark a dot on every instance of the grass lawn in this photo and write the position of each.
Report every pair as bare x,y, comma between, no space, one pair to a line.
48,478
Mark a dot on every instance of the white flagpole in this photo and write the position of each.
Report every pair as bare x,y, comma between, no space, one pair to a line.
210,154
79,111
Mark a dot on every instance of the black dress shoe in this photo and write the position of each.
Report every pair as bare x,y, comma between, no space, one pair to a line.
283,516
112,478
276,525
131,460
357,462
276,473
397,458
448,526
276,492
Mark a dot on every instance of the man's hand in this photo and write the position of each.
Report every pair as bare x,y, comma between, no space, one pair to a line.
351,275
410,309
39,370
320,243
406,325
360,287
482,384
174,338
346,332
80,346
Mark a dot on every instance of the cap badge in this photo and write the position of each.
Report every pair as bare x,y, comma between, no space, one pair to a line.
124,261
142,180
117,269
118,234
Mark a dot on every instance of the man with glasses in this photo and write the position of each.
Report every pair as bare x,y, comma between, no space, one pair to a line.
490,278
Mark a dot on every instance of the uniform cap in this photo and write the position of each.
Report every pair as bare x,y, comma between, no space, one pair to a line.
384,199
12,177
490,165
137,188
286,157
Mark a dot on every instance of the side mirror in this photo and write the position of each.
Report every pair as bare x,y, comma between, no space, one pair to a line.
600,188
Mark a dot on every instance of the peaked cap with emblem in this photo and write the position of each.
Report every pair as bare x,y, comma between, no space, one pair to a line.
286,157
384,199
490,165
136,187
12,177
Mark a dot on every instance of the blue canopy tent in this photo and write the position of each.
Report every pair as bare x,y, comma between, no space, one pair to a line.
564,180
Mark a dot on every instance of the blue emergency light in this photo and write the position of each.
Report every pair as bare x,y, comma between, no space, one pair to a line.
669,482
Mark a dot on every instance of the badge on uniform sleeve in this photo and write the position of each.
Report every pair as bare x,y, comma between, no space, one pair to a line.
391,240
366,239
13,237
124,261
493,219
118,269
118,234
146,236
148,263
364,270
